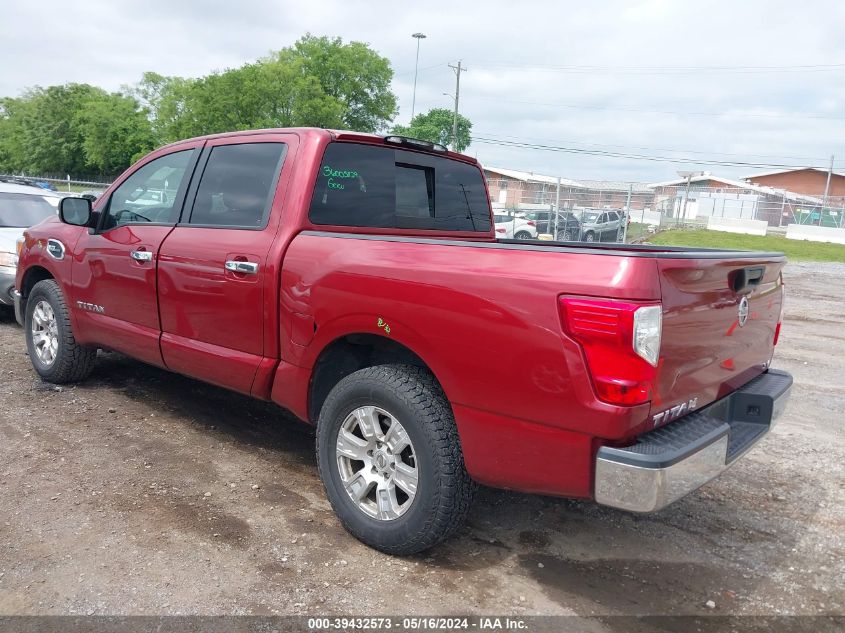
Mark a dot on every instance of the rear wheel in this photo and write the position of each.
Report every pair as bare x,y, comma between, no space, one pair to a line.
390,459
523,235
53,350
590,237
566,236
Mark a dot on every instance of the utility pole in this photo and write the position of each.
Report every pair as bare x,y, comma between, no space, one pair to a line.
557,207
686,197
418,37
627,217
458,70
826,190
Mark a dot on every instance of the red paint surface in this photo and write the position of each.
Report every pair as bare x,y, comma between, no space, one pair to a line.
485,320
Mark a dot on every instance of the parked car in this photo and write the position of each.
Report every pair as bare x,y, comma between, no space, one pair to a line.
91,194
514,227
357,281
598,226
568,226
31,182
21,206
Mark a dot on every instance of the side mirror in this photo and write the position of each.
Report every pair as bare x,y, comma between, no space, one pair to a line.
75,211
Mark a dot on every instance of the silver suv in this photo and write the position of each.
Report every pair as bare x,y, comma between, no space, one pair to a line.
598,225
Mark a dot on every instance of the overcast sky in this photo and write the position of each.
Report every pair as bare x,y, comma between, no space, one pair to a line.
754,81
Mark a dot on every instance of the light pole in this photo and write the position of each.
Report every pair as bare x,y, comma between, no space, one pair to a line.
418,37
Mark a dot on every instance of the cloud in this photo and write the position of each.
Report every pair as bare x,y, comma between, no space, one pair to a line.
640,78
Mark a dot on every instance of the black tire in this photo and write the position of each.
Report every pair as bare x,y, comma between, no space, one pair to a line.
567,236
72,362
589,236
444,490
523,235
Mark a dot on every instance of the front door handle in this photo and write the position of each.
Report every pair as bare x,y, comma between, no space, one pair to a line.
246,268
141,256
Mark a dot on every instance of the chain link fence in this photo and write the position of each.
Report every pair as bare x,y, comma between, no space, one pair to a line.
60,185
602,211
608,211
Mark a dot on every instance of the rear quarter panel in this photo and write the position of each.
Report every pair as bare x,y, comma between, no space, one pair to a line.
483,317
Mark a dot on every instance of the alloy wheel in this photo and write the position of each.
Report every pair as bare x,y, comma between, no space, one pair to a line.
45,333
377,463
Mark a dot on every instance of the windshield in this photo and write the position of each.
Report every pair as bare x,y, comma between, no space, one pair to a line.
23,210
589,217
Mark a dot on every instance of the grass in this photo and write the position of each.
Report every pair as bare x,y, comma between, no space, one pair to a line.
795,250
636,231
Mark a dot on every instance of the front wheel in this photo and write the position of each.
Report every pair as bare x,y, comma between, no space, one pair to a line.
390,459
53,350
590,237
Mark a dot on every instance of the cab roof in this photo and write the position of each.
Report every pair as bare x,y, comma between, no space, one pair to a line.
315,132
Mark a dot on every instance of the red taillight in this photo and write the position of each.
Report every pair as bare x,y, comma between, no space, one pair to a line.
605,330
780,316
531,223
501,231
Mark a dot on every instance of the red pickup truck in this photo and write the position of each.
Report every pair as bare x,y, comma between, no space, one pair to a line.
356,280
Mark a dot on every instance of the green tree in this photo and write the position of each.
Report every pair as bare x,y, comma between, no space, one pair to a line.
164,98
355,75
319,81
12,153
50,133
115,132
79,129
436,126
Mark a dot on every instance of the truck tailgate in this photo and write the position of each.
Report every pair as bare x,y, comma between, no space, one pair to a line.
708,348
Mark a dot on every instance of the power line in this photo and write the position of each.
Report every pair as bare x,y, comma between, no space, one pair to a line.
408,72
577,106
653,149
666,70
629,156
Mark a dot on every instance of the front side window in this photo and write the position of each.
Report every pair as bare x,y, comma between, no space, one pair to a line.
237,185
22,210
376,186
150,194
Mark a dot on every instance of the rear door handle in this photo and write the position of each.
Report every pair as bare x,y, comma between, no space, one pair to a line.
246,268
141,256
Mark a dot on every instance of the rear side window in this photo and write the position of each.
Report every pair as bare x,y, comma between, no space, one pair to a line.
366,185
237,185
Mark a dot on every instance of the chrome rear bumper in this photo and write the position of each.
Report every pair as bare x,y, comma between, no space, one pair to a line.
672,461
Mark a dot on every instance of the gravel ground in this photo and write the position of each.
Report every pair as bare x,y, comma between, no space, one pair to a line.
142,492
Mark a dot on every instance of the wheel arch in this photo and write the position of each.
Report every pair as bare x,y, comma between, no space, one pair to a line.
32,276
351,352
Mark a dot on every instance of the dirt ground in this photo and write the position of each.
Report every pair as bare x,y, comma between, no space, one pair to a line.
143,492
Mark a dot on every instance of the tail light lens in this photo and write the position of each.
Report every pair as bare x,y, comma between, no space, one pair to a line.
780,317
501,231
531,223
621,342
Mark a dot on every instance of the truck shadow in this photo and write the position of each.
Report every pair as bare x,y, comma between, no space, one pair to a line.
721,543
